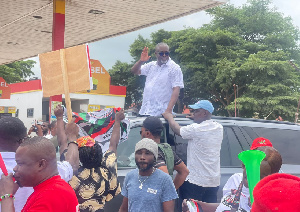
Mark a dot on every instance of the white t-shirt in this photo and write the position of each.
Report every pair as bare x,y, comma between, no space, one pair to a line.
64,169
203,152
159,86
49,136
229,191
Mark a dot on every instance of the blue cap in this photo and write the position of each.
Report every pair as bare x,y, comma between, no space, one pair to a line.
204,104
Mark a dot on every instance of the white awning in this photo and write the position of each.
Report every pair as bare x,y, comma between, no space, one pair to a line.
26,26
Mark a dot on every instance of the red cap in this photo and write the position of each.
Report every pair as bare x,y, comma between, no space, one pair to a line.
259,142
277,192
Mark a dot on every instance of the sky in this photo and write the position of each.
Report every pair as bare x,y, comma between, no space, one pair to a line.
110,50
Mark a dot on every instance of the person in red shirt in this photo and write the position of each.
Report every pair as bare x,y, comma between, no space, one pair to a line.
37,167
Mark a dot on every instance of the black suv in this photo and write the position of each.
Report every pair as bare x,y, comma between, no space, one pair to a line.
238,136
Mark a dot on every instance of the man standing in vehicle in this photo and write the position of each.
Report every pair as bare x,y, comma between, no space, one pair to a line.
37,167
163,82
203,153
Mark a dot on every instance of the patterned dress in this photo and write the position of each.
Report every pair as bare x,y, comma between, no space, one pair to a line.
95,186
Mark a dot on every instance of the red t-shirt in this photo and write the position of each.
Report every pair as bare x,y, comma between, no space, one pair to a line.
54,195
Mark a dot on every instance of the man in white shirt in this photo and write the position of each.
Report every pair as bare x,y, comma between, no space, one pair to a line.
163,81
41,129
12,134
203,153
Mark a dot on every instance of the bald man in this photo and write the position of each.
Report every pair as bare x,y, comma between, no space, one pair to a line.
164,80
37,167
12,134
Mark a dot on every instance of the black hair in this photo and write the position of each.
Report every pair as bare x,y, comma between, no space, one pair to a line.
12,127
91,157
52,125
273,158
154,125
41,147
46,122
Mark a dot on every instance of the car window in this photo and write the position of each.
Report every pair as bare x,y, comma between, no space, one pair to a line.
233,140
125,151
232,145
284,140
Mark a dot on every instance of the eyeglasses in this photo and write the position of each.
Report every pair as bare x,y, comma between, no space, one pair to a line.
164,53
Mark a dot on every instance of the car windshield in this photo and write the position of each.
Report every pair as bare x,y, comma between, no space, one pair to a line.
125,152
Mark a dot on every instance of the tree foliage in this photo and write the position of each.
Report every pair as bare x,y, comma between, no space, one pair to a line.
249,47
16,71
122,76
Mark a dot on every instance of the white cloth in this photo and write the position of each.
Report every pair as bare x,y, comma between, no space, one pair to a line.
159,86
229,189
203,152
49,136
64,169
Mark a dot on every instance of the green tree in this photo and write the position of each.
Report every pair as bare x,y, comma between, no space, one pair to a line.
258,22
215,57
273,89
248,46
121,75
16,71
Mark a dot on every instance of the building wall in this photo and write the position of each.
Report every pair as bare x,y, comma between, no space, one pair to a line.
103,100
24,101
40,105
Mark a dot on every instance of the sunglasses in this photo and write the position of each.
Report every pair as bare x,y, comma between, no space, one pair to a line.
164,53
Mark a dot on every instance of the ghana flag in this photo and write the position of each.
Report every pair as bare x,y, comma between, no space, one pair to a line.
99,125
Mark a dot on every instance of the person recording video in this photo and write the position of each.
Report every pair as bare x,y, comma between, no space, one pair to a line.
41,129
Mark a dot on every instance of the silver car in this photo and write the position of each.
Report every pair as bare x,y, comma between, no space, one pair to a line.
238,136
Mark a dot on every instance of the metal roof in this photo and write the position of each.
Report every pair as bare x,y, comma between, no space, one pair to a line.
26,26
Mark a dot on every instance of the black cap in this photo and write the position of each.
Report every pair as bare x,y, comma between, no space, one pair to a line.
154,125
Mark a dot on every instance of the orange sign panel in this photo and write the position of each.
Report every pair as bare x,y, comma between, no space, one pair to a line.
4,89
101,78
11,109
93,108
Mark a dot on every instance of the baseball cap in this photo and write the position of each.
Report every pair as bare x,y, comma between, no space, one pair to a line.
259,142
153,124
204,104
149,144
277,192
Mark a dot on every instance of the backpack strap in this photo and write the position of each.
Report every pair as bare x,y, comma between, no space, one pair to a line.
169,156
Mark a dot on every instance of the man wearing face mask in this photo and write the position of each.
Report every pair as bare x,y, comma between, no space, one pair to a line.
163,81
